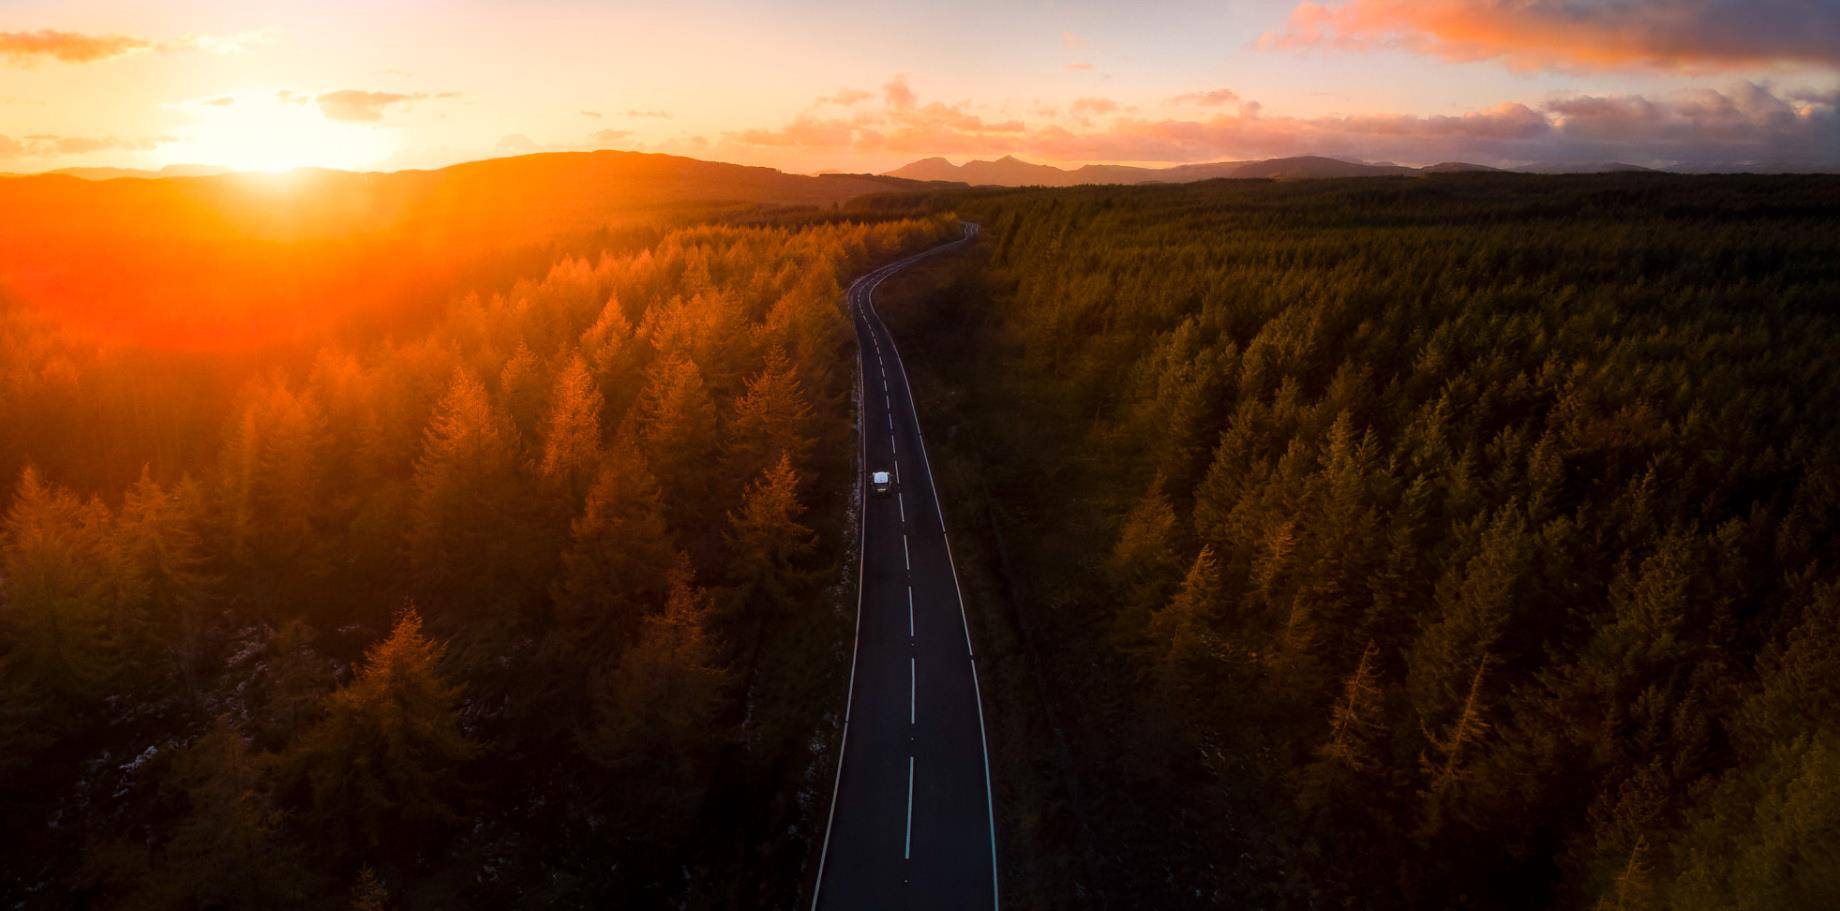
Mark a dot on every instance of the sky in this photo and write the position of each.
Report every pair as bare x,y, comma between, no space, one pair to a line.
870,85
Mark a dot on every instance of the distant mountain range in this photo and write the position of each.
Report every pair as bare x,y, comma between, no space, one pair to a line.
171,170
1010,171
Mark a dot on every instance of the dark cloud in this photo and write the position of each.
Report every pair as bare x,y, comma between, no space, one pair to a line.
1580,34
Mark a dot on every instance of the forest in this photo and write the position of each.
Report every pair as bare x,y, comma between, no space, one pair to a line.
518,600
1463,541
1455,541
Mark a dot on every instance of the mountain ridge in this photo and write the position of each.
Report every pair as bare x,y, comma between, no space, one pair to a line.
1011,171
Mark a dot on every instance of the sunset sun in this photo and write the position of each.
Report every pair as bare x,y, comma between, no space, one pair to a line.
273,131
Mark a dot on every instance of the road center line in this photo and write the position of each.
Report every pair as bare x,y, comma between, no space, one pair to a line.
903,505
910,612
913,681
904,560
907,841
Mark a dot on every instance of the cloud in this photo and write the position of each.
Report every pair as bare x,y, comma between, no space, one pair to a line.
846,97
517,144
357,106
663,115
1080,67
42,145
76,47
1696,35
607,137
69,47
1073,42
1747,124
805,131
1208,99
591,115
902,124
896,93
237,43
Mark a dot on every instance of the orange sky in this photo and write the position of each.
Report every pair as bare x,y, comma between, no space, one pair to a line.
812,86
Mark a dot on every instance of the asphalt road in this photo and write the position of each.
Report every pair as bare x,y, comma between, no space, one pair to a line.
912,821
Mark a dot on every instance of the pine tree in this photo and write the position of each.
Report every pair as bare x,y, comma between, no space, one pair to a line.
385,758
466,496
57,655
766,539
572,434
658,712
1145,560
1356,721
772,420
296,681
1447,764
619,555
368,893
228,851
1185,651
679,432
161,586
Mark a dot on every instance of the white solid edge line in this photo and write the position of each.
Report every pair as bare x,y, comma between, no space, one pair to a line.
920,436
843,738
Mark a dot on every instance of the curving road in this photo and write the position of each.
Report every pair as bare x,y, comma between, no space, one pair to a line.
912,821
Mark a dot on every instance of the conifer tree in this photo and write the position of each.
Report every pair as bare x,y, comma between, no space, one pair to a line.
465,496
386,757
679,432
572,433
772,420
767,540
229,850
619,555
57,656
658,710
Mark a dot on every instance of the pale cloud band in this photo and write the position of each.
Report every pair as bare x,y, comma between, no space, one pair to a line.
76,47
358,106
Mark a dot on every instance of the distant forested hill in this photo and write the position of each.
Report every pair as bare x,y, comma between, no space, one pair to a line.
1460,542
227,260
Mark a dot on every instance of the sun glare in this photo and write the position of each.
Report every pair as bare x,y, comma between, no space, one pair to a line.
265,132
